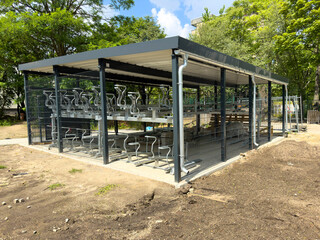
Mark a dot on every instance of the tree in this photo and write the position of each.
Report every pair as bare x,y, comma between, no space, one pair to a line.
302,38
35,30
277,35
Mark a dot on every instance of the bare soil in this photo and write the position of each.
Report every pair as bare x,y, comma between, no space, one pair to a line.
271,193
18,130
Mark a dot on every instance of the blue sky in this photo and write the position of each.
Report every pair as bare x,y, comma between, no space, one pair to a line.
175,15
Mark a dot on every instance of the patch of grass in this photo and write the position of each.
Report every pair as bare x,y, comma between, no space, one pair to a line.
2,167
106,189
74,170
55,186
8,121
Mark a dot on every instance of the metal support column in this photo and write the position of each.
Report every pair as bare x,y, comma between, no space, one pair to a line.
104,123
26,92
58,108
216,116
175,106
116,127
198,108
236,101
223,113
269,110
250,111
283,110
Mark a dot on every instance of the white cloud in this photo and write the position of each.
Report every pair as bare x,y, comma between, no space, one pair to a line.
108,12
172,5
171,23
192,8
195,8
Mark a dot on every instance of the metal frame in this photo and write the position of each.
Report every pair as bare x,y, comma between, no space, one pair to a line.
151,76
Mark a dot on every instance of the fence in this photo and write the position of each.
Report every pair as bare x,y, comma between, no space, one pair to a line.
313,117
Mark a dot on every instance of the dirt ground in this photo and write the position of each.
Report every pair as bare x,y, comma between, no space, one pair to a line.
18,130
271,193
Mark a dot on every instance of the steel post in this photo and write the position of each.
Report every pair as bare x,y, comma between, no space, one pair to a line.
223,113
58,107
269,110
250,111
175,106
283,110
26,92
198,108
104,123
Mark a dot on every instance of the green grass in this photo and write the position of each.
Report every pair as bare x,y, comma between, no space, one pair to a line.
55,186
8,121
2,167
106,189
74,170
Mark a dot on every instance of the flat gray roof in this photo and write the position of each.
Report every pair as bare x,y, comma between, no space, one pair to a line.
152,61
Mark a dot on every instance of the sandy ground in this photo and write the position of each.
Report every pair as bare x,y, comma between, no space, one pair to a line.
271,193
18,130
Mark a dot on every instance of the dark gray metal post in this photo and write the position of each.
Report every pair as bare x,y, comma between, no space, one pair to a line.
236,97
39,118
26,92
216,116
250,111
116,127
175,106
269,110
283,109
223,114
104,122
198,108
58,108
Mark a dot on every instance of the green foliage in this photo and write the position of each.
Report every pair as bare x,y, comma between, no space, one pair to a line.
35,30
106,189
55,186
2,167
122,30
74,170
8,121
279,35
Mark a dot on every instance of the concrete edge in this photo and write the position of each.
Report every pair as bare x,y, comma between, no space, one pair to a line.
222,165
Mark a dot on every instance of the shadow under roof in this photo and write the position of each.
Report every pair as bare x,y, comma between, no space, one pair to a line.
150,62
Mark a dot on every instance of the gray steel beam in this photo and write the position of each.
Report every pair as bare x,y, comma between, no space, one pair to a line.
127,67
104,122
269,110
120,78
283,109
175,106
26,92
250,111
58,108
223,114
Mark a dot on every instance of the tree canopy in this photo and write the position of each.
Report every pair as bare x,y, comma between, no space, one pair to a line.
279,35
35,30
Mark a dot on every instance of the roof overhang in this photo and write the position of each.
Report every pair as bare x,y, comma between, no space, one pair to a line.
151,62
